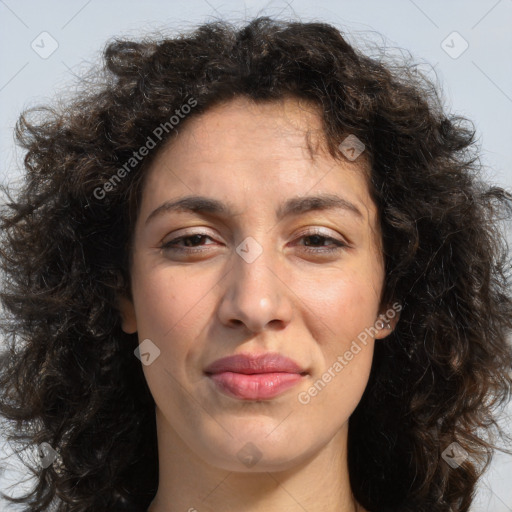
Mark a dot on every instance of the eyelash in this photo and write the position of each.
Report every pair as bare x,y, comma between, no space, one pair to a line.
338,244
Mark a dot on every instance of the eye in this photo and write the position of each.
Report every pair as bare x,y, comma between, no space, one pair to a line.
195,243
192,243
319,238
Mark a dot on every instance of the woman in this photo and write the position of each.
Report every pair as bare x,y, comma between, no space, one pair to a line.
253,269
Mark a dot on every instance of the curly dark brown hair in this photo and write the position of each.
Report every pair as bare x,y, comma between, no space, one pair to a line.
69,375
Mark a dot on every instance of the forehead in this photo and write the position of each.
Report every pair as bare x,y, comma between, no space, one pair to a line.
289,126
265,151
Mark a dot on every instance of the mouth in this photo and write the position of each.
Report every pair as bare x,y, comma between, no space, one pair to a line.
249,377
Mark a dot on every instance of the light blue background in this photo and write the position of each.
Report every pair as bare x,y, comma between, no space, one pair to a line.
477,84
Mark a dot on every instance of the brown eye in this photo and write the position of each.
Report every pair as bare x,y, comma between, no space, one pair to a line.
189,241
313,239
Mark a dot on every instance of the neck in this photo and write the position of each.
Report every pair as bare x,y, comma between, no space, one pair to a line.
186,482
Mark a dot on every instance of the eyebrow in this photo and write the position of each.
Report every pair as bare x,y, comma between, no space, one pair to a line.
293,206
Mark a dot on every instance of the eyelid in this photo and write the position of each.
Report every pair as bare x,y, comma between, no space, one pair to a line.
184,232
335,247
302,232
327,234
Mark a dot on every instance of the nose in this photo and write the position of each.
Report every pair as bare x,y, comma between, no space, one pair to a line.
256,295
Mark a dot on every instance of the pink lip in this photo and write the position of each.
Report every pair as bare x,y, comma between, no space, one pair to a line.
250,377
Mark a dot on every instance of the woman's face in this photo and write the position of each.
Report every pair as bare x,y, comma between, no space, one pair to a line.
255,268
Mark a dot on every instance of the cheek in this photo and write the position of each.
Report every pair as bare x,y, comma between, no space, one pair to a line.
341,304
341,321
166,299
342,309
172,307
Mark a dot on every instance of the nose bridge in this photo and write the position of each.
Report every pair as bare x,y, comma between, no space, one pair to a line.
254,295
252,265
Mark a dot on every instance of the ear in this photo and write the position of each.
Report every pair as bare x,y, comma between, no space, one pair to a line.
387,319
127,311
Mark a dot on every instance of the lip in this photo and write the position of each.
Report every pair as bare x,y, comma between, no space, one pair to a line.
254,377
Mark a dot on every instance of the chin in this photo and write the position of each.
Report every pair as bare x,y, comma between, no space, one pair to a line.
253,459
256,451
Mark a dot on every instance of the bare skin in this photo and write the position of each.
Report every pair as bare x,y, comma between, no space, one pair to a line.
295,298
